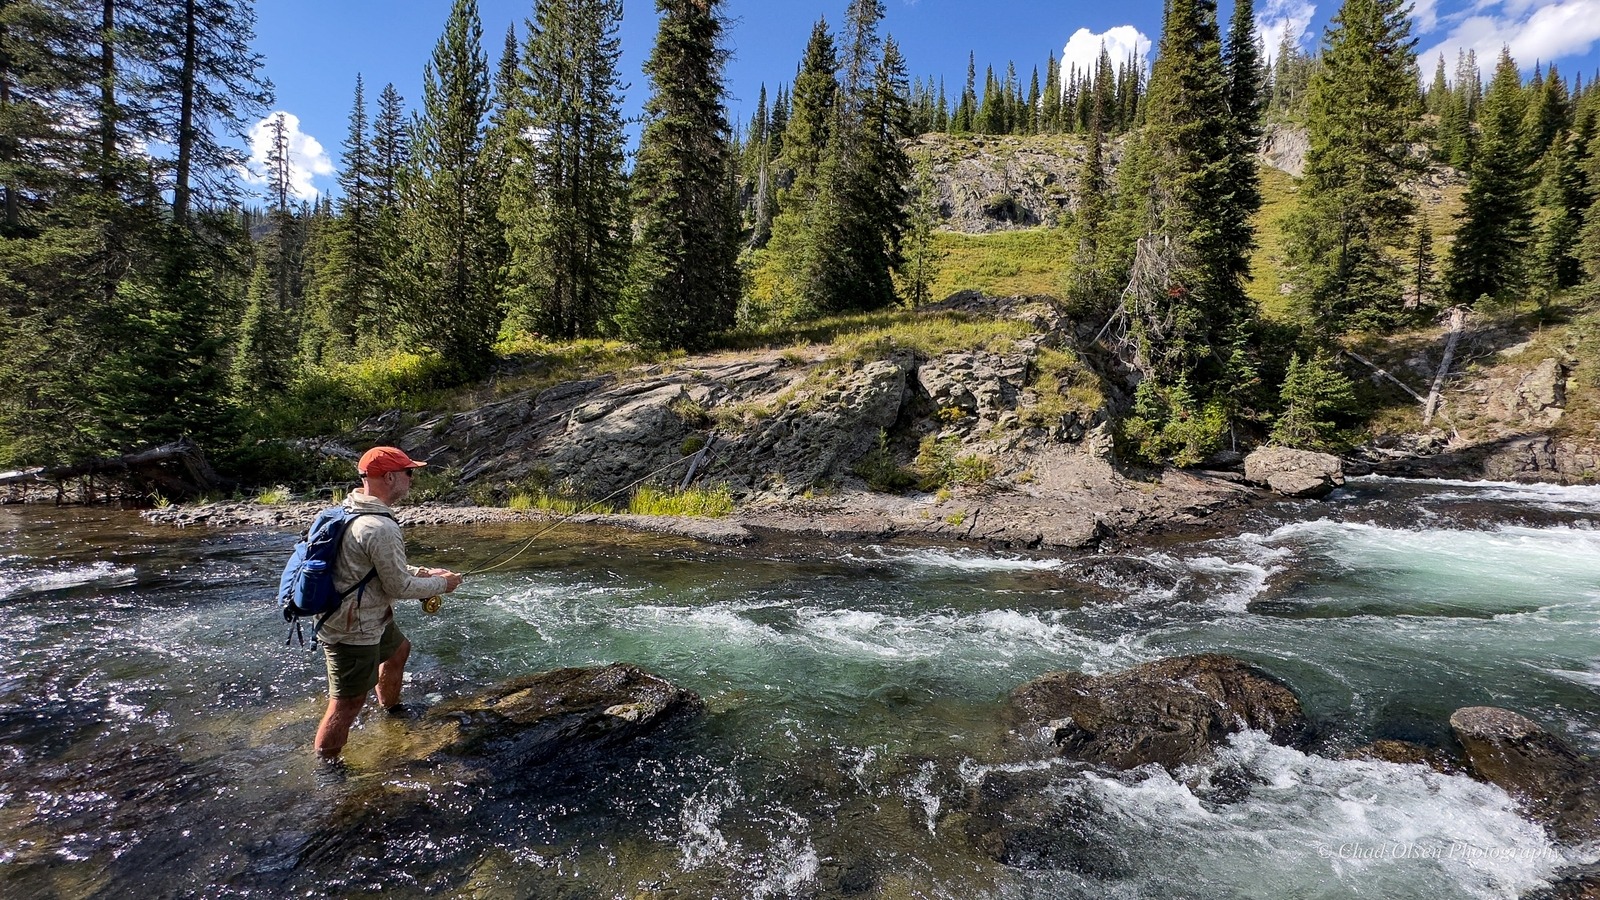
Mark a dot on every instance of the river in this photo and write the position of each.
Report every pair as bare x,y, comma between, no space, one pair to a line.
155,731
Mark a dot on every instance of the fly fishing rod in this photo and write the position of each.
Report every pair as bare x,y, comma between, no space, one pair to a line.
432,604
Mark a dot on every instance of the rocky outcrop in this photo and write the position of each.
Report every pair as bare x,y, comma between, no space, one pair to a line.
1172,712
990,183
1294,473
1284,148
1558,787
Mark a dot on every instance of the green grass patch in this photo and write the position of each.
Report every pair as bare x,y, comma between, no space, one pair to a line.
708,503
274,496
1026,262
859,337
555,504
1064,386
1268,264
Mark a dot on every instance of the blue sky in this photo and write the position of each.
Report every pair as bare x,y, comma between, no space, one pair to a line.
315,48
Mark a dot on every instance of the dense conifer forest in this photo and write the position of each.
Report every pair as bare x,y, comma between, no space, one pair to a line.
499,216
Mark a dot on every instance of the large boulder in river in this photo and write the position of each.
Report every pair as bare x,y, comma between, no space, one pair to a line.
1558,787
1294,473
1172,712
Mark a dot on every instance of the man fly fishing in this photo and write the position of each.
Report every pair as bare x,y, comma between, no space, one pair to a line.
363,646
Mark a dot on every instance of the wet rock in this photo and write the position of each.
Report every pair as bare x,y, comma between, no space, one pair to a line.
1407,753
1570,883
575,713
1558,787
1172,712
1041,819
1294,473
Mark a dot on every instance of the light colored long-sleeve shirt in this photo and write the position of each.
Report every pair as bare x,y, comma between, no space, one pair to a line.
372,542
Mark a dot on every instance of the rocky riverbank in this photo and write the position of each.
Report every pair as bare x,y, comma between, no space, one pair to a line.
1076,504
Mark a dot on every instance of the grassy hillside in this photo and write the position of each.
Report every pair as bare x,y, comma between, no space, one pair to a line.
1003,264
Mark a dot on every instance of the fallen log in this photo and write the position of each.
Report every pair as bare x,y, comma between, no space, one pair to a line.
1458,320
178,470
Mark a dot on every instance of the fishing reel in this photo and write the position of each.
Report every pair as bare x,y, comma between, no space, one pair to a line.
431,605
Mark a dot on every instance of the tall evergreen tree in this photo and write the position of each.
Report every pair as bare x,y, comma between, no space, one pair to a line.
1351,206
564,202
456,311
1184,316
1246,99
920,257
209,78
348,300
683,284
391,164
1487,257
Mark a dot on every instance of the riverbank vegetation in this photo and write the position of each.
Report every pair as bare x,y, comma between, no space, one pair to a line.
491,239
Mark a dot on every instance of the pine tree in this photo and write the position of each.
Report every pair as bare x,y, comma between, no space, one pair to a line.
967,108
1422,263
456,310
564,201
1031,119
1487,257
395,283
1089,281
208,76
1548,115
1242,196
1184,318
1351,206
809,125
683,284
1052,96
1314,393
920,256
1564,194
348,299
1439,90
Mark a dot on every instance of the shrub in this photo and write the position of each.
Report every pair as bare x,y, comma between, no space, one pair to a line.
877,467
1314,393
274,495
940,463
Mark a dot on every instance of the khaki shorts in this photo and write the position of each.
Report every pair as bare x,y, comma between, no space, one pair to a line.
353,668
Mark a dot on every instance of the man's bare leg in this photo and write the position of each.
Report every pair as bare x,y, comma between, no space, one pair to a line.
390,673
335,728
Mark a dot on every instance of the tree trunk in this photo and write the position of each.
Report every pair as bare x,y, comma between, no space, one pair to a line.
186,125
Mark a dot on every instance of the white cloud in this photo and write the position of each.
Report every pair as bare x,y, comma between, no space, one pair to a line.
1535,30
307,159
1083,49
1425,15
1281,17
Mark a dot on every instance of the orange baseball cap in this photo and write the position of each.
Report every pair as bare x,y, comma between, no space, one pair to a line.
383,460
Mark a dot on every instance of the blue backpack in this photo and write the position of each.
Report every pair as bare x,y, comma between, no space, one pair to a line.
306,588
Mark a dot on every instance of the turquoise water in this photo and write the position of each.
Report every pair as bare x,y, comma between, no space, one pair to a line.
155,732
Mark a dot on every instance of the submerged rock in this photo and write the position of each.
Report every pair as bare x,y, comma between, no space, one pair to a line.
1558,787
1172,712
1294,473
1407,753
531,720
